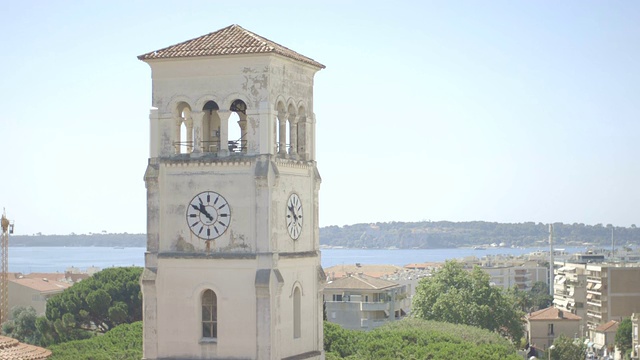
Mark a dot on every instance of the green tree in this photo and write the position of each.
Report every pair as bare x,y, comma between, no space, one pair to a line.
457,296
23,326
109,298
521,298
568,349
539,295
623,336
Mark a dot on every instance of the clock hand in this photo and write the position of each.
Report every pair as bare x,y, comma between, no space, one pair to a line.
203,210
295,218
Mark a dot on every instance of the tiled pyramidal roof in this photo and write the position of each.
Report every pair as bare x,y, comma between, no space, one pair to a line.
232,40
12,349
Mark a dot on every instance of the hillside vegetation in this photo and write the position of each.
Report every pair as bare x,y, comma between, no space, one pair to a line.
423,235
446,234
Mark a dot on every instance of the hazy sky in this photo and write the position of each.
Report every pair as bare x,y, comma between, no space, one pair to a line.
505,111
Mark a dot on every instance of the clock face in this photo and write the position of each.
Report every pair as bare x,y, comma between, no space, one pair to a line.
294,216
208,215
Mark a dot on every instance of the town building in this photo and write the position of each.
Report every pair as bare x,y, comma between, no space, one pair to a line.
232,268
509,272
570,290
612,292
598,292
34,290
604,339
363,302
544,326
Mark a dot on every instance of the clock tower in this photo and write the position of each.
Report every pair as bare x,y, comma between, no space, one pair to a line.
232,268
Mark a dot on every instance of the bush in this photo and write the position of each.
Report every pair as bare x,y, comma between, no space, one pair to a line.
417,339
123,342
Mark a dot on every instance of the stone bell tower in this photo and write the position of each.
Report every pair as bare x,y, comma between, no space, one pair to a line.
232,268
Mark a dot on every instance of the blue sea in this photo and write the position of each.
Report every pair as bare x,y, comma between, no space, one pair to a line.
58,259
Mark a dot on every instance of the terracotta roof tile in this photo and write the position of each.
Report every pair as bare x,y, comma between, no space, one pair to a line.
611,326
232,40
11,349
552,313
360,282
40,284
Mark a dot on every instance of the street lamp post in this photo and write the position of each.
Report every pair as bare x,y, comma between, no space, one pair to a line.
551,348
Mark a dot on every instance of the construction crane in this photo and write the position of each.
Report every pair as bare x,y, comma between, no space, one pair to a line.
7,228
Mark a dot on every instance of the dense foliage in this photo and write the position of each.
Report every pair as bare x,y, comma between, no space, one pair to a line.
109,298
123,342
447,234
568,349
23,325
623,336
416,339
457,296
535,299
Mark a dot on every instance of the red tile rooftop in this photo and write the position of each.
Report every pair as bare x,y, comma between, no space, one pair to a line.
552,313
12,349
232,40
611,326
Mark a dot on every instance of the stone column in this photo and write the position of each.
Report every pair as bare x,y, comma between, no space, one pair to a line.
224,115
175,138
243,132
197,120
189,125
282,122
293,135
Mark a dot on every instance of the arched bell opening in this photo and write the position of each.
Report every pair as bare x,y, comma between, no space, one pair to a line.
183,134
210,127
281,129
238,134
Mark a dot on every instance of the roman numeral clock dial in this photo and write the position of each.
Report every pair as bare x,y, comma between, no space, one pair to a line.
294,216
208,215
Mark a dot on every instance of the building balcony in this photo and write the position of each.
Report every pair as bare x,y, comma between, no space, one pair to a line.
594,314
596,278
372,306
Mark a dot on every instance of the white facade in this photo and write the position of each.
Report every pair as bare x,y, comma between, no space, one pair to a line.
570,290
238,285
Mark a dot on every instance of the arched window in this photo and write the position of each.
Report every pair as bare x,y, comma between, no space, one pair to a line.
211,127
183,136
238,134
297,322
209,314
280,130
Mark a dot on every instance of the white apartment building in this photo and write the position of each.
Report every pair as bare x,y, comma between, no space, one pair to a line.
570,290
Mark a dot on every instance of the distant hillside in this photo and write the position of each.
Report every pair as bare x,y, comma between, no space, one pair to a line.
446,234
423,235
